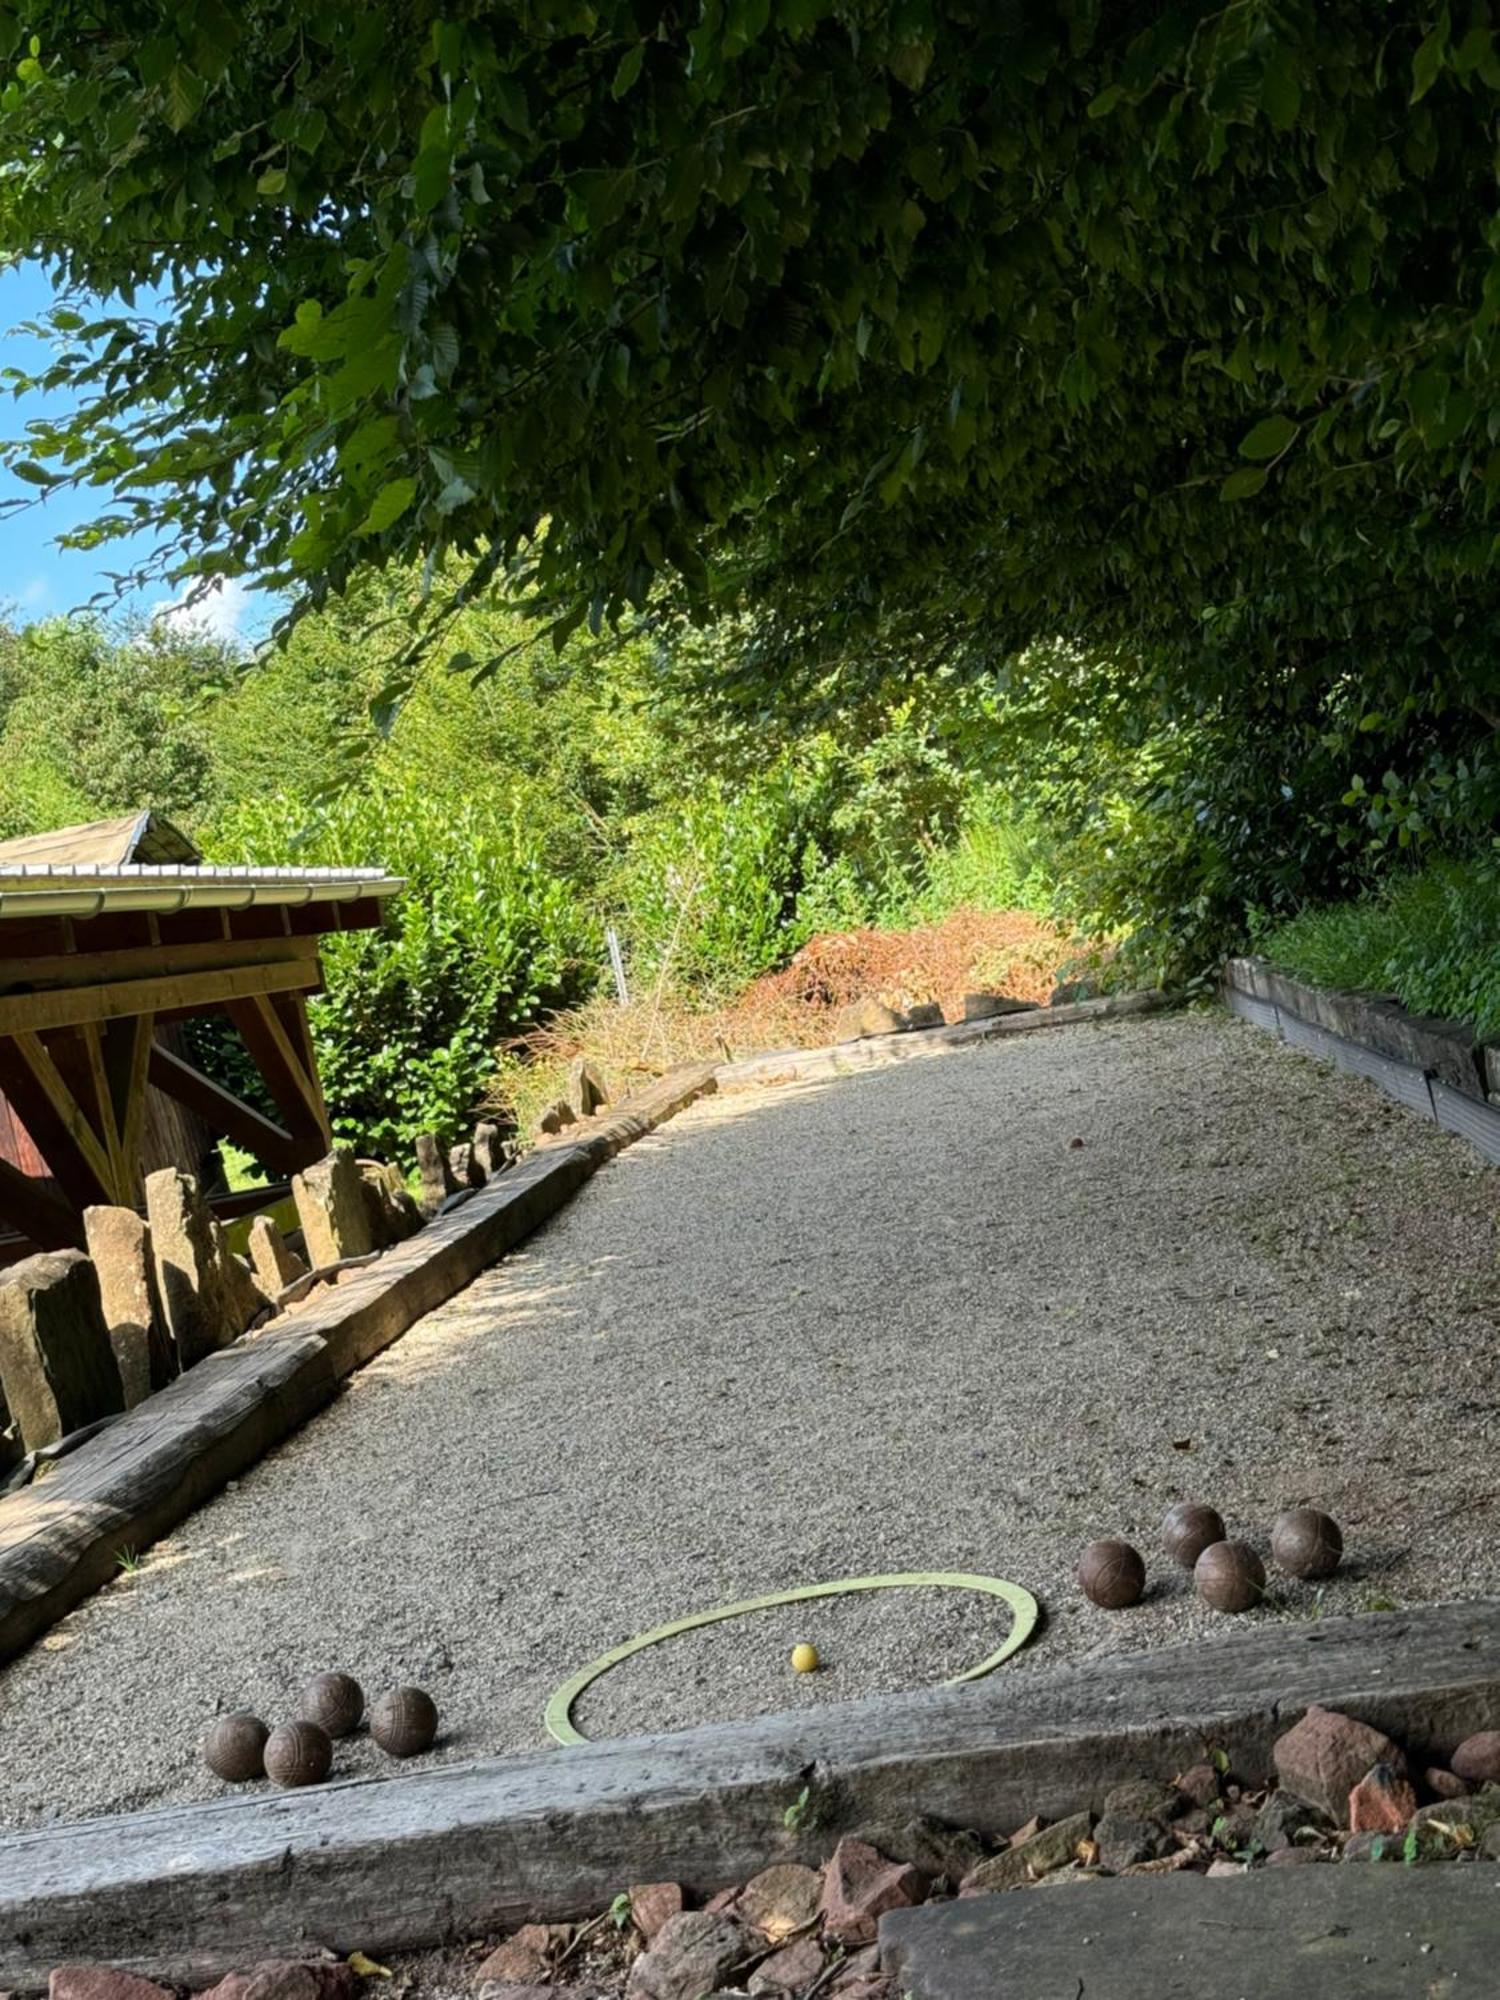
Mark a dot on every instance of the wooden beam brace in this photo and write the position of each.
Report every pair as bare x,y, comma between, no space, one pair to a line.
36,1013
291,1009
81,1129
127,1058
281,1063
224,1112
40,1215
80,1169
103,968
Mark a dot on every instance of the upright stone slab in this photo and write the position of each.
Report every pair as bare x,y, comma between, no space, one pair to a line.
208,1297
11,1452
57,1366
493,1152
331,1208
990,1006
437,1176
274,1262
587,1090
393,1215
120,1245
859,1019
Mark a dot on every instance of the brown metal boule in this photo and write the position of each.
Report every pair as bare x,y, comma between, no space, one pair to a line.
298,1753
1306,1543
336,1702
1188,1529
1230,1576
404,1722
234,1748
1111,1574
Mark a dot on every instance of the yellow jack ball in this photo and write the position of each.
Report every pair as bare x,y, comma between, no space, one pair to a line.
804,1659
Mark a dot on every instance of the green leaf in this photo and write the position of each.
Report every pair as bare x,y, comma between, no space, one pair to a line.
432,176
629,70
1105,102
389,504
1244,484
272,181
510,101
1428,60
1269,439
1281,92
184,97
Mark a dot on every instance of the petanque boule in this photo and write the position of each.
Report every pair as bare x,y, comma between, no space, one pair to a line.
298,1753
235,1748
335,1701
1111,1574
1230,1576
1188,1529
1307,1543
404,1721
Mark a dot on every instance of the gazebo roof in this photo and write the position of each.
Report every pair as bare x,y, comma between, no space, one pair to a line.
143,863
138,837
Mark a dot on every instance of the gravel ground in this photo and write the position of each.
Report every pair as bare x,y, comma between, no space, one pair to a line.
898,1321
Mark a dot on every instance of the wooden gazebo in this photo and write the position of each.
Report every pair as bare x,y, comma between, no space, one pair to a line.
108,934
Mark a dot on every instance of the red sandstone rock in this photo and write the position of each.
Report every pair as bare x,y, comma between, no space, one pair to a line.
1382,1802
652,1904
528,1958
288,1979
859,1886
1444,1785
1477,1758
101,1982
1327,1755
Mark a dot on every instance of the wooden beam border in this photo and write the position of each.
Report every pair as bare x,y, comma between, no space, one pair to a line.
471,1850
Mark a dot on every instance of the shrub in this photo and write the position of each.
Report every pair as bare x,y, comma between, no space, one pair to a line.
482,938
1430,937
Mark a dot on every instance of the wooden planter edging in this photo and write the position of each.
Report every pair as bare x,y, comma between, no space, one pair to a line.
60,1538
1432,1066
466,1851
787,1065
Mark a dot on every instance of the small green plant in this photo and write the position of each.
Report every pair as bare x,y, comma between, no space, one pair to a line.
1378,1601
129,1562
1411,1847
796,1813
619,1910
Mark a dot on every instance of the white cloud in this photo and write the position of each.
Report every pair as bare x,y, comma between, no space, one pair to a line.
217,612
34,594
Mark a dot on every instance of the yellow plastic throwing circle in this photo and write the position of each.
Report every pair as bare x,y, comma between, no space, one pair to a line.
1024,1614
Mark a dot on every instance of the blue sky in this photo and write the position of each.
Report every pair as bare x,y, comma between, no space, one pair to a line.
37,579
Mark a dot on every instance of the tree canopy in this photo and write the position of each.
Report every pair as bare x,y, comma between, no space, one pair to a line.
962,323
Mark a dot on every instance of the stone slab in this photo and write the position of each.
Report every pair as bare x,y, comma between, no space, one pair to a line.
57,1364
1339,1933
476,1850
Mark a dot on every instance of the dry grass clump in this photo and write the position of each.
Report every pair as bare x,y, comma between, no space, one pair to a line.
1005,951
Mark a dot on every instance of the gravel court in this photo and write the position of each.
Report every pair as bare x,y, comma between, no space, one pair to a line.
897,1321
